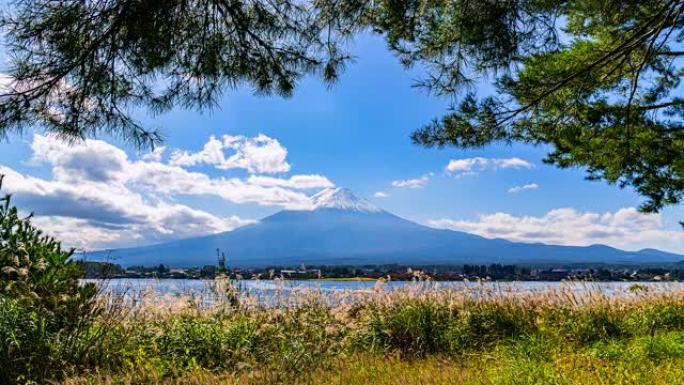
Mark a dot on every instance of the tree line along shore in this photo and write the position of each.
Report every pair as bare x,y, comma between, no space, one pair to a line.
397,272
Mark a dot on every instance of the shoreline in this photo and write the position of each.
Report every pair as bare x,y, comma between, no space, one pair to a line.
368,279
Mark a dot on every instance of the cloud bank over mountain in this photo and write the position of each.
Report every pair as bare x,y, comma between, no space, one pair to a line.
114,200
92,195
346,229
626,228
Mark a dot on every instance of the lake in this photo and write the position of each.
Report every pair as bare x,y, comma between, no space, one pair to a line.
271,288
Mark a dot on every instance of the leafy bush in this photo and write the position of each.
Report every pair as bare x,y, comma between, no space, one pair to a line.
422,327
208,343
481,325
43,308
584,325
657,316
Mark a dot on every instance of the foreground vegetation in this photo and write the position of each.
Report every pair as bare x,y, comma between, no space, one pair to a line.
570,368
414,335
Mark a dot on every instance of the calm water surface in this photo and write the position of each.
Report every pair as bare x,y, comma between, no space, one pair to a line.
268,287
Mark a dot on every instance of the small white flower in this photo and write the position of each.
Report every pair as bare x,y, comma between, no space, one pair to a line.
41,265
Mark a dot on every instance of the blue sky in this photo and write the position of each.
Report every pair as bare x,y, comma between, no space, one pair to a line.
355,135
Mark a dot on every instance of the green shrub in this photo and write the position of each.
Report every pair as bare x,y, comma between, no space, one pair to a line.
25,348
481,325
616,349
207,343
669,345
43,308
534,347
411,329
584,325
656,317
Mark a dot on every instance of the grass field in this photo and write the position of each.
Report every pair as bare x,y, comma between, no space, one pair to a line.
500,366
408,336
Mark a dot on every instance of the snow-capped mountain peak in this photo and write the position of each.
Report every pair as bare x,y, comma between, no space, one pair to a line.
343,199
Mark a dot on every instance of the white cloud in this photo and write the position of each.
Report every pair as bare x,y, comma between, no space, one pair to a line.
295,181
108,214
88,235
114,201
260,154
626,228
92,160
474,165
155,155
529,186
380,194
98,161
413,183
172,180
95,235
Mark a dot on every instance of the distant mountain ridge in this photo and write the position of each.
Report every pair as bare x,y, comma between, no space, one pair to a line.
345,229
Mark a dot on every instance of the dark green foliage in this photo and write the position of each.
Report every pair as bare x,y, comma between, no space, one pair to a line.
82,66
25,346
533,347
412,330
597,80
658,347
425,327
43,309
416,328
658,317
35,271
663,346
287,345
584,326
208,344
481,326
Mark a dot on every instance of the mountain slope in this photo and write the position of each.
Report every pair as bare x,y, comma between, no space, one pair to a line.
343,229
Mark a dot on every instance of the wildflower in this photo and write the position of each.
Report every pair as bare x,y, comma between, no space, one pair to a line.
21,248
331,330
41,265
23,272
379,284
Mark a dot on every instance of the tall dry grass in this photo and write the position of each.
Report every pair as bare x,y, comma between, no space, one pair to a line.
299,336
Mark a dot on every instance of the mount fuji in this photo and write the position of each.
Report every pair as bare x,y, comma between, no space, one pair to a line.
345,229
